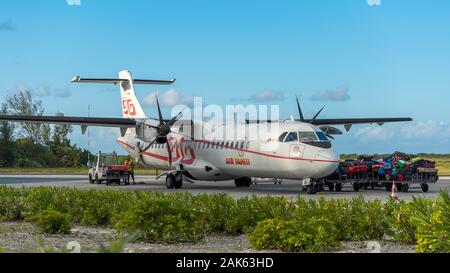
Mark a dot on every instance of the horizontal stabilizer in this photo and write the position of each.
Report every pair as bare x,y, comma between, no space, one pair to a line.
78,79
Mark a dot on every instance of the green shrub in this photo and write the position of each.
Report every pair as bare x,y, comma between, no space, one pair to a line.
51,221
11,204
90,207
250,211
37,200
398,221
433,224
216,210
366,219
99,208
160,220
355,219
313,235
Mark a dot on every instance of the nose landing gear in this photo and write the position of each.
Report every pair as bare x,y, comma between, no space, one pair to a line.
315,186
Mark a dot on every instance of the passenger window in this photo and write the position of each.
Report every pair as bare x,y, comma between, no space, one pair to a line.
242,144
291,137
307,136
237,145
232,144
282,137
222,146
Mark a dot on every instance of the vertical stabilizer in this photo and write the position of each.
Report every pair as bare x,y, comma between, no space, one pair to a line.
131,108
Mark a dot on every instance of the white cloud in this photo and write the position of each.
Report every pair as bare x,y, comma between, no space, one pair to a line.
430,130
374,2
73,2
268,95
339,94
62,92
42,90
170,98
379,133
263,96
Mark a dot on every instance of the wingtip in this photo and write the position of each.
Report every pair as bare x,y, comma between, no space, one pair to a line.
76,79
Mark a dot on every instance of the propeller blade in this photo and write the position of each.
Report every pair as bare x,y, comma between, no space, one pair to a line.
175,119
317,115
161,119
169,151
141,152
148,146
302,119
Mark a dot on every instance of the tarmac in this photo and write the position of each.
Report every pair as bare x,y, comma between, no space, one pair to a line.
289,189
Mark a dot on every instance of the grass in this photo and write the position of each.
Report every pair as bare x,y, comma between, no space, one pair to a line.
61,171
443,165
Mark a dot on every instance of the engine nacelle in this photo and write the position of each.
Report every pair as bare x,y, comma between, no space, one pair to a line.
144,132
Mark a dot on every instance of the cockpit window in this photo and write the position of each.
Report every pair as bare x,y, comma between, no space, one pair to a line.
322,136
291,137
307,136
281,138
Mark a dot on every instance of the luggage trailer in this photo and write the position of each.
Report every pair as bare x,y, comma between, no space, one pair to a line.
363,180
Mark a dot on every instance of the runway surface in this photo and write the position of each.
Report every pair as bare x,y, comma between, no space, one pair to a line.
291,189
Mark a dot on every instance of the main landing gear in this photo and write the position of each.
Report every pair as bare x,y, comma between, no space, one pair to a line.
174,181
243,182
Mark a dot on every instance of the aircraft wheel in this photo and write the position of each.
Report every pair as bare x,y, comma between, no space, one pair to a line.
338,187
97,181
331,186
425,187
388,186
91,180
178,182
356,187
311,188
170,181
238,182
405,187
246,182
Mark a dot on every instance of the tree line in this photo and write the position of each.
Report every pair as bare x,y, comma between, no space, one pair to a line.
28,144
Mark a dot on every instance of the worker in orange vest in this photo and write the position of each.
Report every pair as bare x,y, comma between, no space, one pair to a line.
131,171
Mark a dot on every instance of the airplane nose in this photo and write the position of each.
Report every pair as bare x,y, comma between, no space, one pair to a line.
330,162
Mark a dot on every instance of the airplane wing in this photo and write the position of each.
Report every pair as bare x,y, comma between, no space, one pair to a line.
341,121
82,121
351,121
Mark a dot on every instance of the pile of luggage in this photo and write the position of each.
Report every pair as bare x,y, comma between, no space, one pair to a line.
399,166
378,171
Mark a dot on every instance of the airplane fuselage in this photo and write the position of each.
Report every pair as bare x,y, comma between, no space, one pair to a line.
225,159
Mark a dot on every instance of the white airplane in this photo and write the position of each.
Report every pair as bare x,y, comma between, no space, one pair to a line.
296,150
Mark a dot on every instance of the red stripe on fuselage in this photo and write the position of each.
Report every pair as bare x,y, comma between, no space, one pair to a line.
237,149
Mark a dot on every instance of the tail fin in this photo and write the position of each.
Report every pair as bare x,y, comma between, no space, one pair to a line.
131,108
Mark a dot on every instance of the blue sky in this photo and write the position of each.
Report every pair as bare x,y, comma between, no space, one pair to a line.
360,60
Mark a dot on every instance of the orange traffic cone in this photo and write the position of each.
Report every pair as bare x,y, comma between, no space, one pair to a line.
394,191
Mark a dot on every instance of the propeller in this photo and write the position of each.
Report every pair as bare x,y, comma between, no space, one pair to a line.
302,118
300,113
162,130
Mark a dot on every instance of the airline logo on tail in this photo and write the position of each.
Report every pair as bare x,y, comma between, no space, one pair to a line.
131,107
